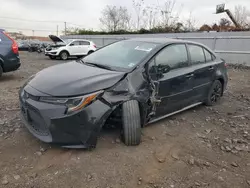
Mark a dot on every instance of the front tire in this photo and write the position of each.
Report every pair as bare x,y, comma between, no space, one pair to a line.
64,55
214,94
131,121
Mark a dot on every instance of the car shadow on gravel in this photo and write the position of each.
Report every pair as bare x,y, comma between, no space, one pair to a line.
9,77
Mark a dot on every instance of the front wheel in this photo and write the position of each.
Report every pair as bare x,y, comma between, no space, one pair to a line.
214,93
131,121
64,55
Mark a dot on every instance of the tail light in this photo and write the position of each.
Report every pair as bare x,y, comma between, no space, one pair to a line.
225,64
94,46
14,45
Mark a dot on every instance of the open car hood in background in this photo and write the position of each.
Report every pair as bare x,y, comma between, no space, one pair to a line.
56,39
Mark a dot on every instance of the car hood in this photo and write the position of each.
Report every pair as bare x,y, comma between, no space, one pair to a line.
56,39
73,79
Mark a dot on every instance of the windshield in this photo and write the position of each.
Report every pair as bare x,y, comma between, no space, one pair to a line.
123,54
67,41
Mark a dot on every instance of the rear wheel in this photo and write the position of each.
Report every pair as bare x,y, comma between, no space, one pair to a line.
90,52
64,55
214,93
131,121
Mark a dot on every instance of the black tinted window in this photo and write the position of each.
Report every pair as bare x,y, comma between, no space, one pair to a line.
197,54
208,55
85,43
173,56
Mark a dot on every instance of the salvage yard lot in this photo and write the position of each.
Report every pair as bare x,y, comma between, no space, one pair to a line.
202,147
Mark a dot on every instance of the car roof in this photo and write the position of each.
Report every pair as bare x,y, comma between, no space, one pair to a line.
81,40
162,40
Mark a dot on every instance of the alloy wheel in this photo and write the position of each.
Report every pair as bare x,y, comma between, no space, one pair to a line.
216,94
64,56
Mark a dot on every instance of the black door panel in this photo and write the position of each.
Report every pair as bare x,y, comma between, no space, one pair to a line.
175,86
204,71
175,91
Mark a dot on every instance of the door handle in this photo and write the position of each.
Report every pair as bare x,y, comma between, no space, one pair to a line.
211,68
189,75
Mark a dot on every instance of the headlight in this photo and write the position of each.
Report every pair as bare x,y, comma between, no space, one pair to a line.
73,104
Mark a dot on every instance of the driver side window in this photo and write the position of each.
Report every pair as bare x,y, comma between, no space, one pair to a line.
173,56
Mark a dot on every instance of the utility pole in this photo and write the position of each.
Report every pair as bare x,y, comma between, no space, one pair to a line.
57,30
65,28
33,31
221,8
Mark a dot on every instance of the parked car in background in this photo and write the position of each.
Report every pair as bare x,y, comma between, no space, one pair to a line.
9,56
130,83
66,48
23,46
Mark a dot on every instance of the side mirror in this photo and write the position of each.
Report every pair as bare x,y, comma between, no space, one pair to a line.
163,69
72,44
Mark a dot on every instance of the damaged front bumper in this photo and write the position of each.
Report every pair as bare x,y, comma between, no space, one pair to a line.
50,124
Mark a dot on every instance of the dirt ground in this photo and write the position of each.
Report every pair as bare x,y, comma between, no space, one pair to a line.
202,147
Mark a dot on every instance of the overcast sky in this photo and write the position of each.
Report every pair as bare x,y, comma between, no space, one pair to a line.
87,12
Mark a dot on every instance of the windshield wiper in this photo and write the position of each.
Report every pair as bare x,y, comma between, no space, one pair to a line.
96,65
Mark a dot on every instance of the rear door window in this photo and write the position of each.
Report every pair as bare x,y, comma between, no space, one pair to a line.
196,54
84,43
208,55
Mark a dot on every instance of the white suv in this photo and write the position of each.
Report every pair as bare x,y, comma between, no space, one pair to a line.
67,48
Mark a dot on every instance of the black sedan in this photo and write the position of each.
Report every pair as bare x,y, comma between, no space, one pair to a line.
136,82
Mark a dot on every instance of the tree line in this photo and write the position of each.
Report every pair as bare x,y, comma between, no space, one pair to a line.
163,18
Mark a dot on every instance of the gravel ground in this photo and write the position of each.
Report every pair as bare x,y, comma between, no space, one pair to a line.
202,147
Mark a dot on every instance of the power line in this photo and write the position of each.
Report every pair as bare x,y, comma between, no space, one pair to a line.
75,24
43,21
27,20
26,29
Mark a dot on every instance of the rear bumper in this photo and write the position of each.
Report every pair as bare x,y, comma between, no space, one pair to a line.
11,64
50,124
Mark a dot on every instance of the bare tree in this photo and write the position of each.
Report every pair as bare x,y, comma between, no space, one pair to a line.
125,19
115,18
242,16
151,13
167,13
190,23
225,22
139,10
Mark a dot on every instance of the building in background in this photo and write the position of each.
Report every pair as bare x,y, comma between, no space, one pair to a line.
21,36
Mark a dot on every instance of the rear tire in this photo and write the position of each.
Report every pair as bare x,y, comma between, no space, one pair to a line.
64,55
90,52
131,121
214,94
